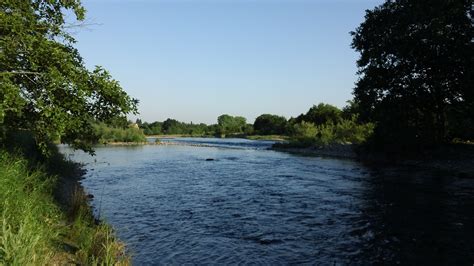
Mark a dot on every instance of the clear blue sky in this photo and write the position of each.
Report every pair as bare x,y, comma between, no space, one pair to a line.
195,60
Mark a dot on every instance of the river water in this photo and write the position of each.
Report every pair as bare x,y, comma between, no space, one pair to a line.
250,205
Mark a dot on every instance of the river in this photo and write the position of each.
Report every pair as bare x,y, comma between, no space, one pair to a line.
251,205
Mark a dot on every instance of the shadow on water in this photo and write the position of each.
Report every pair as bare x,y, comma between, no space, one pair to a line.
418,217
251,205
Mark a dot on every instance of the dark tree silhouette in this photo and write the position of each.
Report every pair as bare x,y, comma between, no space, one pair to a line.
321,114
416,71
268,124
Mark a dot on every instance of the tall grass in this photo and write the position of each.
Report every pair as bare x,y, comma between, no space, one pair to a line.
34,230
96,243
29,217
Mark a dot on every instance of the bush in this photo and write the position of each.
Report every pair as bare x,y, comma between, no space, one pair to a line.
110,134
325,134
349,131
306,134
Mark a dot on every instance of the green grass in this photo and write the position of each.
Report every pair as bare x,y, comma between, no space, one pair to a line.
34,230
29,216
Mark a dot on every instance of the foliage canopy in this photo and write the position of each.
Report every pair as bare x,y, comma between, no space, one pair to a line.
45,87
416,70
231,124
268,124
321,114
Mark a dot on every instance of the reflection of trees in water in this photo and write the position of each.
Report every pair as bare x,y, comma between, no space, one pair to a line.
417,217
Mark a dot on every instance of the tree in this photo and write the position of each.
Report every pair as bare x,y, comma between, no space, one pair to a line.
321,114
416,70
350,111
118,122
45,87
248,129
268,124
171,126
240,123
229,124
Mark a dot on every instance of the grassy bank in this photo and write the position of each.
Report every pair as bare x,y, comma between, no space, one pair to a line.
37,229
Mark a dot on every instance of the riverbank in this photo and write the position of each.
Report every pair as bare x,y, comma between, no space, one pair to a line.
160,143
238,136
176,136
46,216
275,138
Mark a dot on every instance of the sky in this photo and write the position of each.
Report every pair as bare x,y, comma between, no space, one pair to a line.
193,60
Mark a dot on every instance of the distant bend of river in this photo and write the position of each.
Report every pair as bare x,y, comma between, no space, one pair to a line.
251,205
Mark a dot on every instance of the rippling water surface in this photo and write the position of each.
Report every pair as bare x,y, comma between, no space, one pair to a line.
255,206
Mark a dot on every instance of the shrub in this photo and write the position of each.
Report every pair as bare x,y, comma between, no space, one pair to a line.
307,134
110,134
349,131
304,133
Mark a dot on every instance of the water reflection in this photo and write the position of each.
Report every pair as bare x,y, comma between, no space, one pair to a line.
257,206
419,217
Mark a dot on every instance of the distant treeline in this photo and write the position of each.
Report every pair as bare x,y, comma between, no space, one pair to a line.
226,125
322,124
415,89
